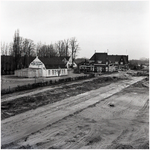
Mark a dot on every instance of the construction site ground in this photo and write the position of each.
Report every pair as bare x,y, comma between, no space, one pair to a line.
79,115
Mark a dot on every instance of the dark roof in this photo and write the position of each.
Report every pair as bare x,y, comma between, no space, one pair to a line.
111,58
99,57
85,62
53,62
64,57
79,61
125,57
114,58
5,58
50,63
29,59
117,58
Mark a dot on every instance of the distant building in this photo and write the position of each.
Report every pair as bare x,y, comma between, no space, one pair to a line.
118,62
8,64
101,62
85,66
70,63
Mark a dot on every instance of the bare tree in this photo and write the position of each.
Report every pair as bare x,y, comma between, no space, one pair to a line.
74,45
28,47
16,49
38,48
66,42
10,52
44,50
52,51
4,48
41,49
62,47
58,48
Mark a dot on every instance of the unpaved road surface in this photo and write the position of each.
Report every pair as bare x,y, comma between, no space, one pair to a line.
96,125
19,102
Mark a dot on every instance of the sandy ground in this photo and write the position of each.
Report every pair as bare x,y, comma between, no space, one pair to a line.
92,124
19,102
9,97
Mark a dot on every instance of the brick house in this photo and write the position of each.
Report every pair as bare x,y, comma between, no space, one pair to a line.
99,61
102,62
85,66
118,62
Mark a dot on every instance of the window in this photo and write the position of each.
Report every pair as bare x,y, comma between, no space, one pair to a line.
49,72
99,62
52,72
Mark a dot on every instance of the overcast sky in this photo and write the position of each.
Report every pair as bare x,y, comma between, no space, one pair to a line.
121,27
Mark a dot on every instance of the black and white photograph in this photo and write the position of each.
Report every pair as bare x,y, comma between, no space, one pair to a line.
74,74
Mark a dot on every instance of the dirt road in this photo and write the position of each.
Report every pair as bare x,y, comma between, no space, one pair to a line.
31,129
35,91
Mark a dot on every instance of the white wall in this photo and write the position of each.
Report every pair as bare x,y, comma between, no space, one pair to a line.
36,63
37,69
112,68
55,72
69,63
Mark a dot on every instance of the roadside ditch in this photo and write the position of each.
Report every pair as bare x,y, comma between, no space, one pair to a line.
23,104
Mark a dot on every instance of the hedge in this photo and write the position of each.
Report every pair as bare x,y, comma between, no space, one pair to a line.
41,84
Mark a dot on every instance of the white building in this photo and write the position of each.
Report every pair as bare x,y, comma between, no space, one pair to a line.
44,67
69,63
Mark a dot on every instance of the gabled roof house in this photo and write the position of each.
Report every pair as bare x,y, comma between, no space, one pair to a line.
44,67
102,62
118,59
99,58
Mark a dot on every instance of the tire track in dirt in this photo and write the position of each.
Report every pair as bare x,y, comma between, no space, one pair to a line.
35,120
129,106
135,135
81,138
37,91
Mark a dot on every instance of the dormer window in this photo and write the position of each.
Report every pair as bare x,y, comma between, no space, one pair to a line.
99,62
91,61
